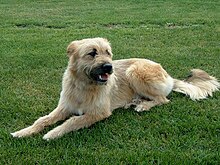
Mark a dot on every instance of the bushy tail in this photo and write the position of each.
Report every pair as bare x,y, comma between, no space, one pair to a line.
198,85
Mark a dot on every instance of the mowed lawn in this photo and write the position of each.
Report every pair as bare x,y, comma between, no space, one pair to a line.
180,35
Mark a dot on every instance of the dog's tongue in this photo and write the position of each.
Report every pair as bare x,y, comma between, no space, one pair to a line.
103,76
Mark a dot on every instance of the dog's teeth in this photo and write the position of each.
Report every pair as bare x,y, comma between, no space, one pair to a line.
104,77
100,77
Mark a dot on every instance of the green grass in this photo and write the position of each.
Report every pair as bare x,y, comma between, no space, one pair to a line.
180,35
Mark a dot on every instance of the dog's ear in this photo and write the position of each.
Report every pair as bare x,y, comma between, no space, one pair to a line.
72,47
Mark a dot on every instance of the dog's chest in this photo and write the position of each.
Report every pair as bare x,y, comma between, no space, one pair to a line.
76,106
79,102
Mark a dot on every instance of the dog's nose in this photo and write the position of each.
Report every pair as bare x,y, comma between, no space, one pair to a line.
107,67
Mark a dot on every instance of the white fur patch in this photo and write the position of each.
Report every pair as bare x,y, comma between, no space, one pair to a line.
198,90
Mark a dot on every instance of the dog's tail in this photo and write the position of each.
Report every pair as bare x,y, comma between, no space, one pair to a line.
198,85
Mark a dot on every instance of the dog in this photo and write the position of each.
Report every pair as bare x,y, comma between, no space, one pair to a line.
94,85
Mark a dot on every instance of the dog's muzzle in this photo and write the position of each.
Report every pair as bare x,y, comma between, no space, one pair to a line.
101,73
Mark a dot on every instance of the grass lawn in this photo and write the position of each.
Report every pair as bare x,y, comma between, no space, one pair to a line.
180,35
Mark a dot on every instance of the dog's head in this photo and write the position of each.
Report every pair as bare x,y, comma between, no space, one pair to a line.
91,59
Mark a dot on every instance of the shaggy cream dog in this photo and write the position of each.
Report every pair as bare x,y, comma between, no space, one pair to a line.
94,85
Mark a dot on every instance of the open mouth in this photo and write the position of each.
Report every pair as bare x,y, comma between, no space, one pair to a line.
101,73
103,77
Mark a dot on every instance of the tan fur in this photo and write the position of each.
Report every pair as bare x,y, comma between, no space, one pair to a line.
199,85
138,82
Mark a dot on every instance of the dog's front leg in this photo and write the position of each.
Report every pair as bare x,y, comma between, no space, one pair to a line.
75,123
58,114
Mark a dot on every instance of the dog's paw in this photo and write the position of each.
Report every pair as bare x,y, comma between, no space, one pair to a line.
141,108
15,134
22,133
48,136
52,135
134,102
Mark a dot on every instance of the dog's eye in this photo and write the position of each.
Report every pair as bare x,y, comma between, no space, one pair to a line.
93,53
108,52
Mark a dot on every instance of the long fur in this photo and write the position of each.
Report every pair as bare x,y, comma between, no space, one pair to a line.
91,92
199,85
